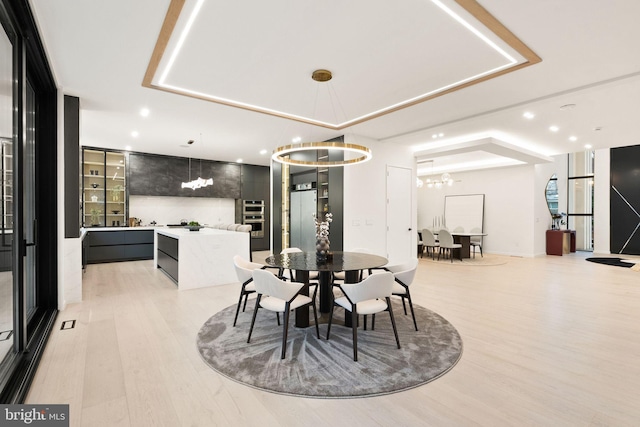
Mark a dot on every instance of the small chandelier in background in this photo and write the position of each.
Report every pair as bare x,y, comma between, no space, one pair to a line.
445,179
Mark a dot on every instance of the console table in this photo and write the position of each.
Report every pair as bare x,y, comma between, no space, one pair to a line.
561,242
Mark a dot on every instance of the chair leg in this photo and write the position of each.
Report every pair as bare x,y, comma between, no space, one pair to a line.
278,318
238,309
354,328
315,318
285,329
415,324
253,319
404,305
365,322
373,322
246,297
393,321
330,320
481,251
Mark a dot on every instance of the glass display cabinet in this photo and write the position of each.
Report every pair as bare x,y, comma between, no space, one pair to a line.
103,188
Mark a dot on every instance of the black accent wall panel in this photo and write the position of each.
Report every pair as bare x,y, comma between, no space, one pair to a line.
71,166
625,200
156,175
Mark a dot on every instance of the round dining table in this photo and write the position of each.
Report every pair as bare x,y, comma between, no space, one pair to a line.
304,262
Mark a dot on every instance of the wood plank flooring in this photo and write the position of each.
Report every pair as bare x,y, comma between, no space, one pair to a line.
549,341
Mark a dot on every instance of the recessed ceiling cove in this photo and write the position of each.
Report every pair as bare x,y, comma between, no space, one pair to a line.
260,57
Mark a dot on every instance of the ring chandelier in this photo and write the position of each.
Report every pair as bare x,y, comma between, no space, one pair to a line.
281,154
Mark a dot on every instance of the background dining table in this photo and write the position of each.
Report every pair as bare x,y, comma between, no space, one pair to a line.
304,262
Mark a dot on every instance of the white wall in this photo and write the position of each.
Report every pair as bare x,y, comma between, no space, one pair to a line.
365,201
170,210
508,206
516,212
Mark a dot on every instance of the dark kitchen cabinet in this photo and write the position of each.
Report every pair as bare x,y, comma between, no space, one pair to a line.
114,246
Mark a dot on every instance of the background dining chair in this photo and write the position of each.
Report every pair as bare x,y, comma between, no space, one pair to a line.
476,241
446,243
403,275
339,276
370,296
288,274
244,271
429,242
458,229
277,295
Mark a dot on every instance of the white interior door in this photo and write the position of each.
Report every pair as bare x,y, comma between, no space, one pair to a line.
399,207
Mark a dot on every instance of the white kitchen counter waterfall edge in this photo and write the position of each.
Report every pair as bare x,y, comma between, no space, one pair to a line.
205,257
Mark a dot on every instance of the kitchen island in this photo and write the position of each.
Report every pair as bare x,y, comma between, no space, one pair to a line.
197,259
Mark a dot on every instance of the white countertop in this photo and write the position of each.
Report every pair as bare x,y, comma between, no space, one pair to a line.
84,230
183,232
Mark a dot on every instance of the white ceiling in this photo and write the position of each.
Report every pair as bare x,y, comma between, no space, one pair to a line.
381,53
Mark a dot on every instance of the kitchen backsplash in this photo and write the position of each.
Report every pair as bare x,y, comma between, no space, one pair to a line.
170,210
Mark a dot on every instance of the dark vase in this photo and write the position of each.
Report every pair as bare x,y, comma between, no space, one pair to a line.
322,248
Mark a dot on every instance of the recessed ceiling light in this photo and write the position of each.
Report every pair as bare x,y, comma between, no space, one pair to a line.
554,128
441,135
144,112
263,152
135,134
434,136
573,138
239,161
567,107
296,139
528,115
588,146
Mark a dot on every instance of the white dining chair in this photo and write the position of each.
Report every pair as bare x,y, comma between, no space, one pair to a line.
429,242
403,275
277,295
446,243
476,241
244,272
371,296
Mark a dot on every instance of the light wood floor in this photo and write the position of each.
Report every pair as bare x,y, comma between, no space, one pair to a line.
550,341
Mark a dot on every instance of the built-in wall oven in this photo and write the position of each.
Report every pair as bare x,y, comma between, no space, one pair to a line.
253,215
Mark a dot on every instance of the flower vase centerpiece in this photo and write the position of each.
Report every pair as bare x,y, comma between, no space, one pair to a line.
322,237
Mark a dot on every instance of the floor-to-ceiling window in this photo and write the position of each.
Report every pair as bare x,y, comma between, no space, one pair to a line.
580,198
6,230
28,223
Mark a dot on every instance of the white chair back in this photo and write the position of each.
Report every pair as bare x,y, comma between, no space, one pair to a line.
445,238
428,239
290,250
268,284
458,230
363,251
244,268
374,286
476,239
405,272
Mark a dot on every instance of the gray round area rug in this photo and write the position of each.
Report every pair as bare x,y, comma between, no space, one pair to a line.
325,368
